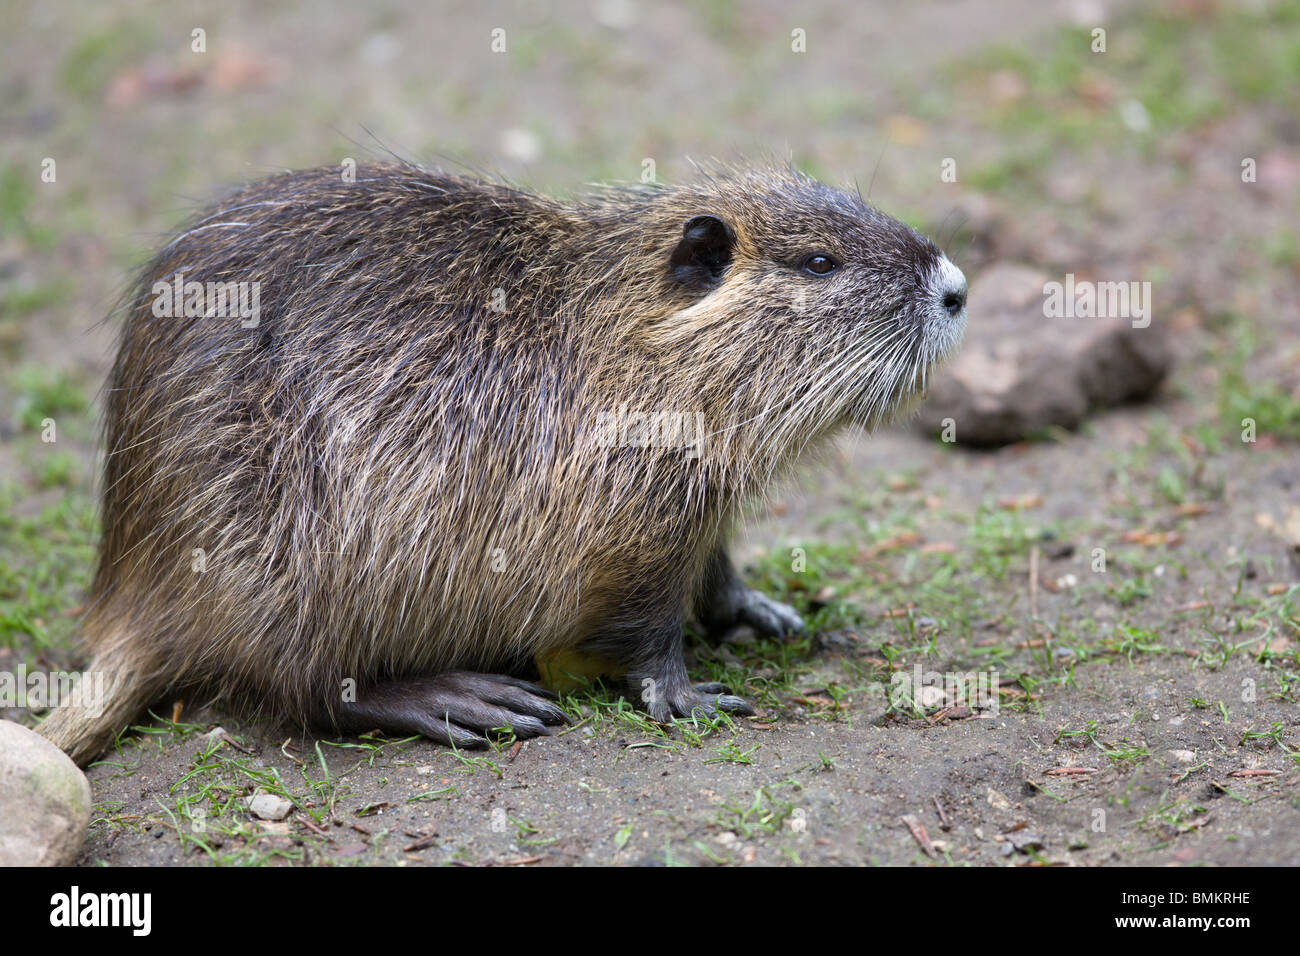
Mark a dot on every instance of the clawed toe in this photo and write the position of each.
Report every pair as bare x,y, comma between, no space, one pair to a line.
725,702
705,701
714,688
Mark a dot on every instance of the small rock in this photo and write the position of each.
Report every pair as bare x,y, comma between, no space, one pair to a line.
998,801
1182,756
927,695
1020,372
1006,849
1025,840
44,801
269,806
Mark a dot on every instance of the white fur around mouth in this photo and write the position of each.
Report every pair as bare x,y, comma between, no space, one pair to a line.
943,331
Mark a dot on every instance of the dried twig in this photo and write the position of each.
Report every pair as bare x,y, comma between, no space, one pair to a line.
306,821
943,817
422,844
918,834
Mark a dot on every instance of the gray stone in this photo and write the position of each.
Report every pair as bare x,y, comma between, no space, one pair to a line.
1025,840
998,801
44,801
927,695
269,806
1020,372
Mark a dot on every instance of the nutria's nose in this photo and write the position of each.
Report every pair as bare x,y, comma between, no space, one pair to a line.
954,300
946,288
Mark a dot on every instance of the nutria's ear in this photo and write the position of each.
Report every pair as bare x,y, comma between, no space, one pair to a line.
703,253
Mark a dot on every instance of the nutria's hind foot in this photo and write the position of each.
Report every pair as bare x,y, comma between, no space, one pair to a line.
458,708
743,605
727,601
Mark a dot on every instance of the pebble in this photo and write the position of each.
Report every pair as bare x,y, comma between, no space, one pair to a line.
269,806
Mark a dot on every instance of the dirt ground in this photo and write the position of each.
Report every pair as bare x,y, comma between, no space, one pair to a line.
1146,713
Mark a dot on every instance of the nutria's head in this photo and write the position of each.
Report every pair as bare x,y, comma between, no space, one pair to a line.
844,310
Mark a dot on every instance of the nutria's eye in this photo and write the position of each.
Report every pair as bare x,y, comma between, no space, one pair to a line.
819,264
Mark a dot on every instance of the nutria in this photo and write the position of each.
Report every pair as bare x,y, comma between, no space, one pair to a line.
452,434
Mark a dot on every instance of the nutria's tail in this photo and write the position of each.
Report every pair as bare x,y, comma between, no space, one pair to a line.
111,693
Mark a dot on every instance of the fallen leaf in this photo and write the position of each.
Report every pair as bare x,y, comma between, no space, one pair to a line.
1151,539
1020,502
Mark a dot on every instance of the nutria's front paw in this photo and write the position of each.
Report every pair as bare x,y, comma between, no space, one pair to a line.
693,700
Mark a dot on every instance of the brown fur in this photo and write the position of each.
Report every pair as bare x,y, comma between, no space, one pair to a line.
388,477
